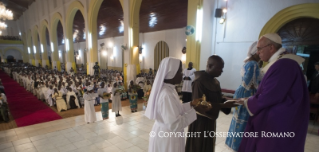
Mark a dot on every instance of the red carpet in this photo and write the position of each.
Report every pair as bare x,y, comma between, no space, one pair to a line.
25,108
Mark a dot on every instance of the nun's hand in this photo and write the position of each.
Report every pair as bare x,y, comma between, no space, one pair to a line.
202,108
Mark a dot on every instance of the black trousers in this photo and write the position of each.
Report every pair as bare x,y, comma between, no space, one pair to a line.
187,97
140,93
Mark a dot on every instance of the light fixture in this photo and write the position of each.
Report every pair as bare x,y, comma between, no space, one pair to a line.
29,50
183,58
5,14
224,10
75,34
121,28
52,47
114,51
222,20
153,20
104,53
67,45
199,23
112,57
34,49
90,41
41,48
3,26
110,44
20,33
102,29
141,57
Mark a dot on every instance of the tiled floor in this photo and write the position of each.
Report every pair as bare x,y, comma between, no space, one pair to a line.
127,133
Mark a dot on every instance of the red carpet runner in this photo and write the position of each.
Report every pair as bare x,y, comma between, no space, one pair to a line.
25,108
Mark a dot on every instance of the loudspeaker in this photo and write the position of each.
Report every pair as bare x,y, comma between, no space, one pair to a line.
218,13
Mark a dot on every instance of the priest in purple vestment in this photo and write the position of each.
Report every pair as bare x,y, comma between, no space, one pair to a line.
280,109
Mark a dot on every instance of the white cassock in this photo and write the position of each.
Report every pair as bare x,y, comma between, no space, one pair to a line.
187,84
49,92
43,93
68,95
116,101
172,116
89,111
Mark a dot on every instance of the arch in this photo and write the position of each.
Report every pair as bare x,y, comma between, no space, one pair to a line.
44,24
12,48
42,34
55,19
72,9
161,51
94,8
288,14
35,32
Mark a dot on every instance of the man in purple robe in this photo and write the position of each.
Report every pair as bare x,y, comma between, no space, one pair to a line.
280,109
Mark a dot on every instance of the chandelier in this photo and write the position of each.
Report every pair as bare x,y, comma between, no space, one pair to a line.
5,14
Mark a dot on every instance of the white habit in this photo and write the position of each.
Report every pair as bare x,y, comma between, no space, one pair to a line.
172,116
89,111
116,101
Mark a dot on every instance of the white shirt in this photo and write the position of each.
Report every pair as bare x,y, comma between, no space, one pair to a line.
100,91
187,84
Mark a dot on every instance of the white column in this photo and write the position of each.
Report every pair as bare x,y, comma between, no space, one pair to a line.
208,36
126,11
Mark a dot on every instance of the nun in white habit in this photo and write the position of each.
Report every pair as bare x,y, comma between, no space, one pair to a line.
89,100
165,107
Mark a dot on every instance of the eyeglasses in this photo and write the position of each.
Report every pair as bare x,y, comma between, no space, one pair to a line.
260,48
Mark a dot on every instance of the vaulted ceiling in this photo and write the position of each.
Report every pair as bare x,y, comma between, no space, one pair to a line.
78,27
110,19
157,15
302,31
17,6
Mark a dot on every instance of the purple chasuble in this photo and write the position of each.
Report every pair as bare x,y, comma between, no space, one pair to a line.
281,105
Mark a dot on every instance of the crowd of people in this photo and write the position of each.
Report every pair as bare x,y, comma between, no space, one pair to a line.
69,90
10,38
272,100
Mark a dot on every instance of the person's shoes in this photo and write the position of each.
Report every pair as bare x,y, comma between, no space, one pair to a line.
135,111
119,115
132,111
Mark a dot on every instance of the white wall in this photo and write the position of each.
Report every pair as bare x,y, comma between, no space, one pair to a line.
15,53
245,19
113,48
175,39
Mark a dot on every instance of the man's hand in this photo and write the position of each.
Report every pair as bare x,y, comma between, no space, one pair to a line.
195,102
198,107
229,104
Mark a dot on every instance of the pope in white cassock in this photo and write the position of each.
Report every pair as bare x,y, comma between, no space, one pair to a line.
166,109
89,100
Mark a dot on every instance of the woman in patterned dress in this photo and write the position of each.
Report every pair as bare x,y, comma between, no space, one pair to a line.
250,73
